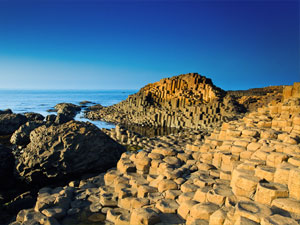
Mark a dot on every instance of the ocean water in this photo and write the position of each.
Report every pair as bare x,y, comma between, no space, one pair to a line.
21,101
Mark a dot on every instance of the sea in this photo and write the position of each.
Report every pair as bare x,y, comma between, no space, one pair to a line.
39,101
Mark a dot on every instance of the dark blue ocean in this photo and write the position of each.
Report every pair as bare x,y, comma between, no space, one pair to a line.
21,101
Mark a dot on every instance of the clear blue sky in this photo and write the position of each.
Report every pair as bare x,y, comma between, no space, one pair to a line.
51,44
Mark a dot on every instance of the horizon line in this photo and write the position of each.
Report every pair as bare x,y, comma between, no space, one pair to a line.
61,89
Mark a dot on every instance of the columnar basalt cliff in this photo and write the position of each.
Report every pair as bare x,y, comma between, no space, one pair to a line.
184,101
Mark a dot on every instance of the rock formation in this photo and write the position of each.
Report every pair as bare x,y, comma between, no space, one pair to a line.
10,122
68,149
68,109
32,116
185,101
21,136
6,111
245,172
292,91
66,112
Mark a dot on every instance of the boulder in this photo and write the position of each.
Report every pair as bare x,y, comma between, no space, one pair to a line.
32,116
9,123
6,111
71,148
63,118
21,136
67,109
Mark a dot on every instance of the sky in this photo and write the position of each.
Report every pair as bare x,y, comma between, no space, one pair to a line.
90,44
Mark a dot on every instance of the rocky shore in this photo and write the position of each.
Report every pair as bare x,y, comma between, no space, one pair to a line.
238,164
38,151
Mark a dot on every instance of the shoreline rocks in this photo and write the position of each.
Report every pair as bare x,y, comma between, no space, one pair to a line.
67,109
21,136
67,149
10,122
244,172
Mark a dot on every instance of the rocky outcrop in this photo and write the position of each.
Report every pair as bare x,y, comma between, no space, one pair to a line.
68,149
67,109
21,136
6,111
10,122
32,116
185,101
63,118
65,113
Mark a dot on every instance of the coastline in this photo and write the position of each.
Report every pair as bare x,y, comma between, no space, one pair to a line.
214,175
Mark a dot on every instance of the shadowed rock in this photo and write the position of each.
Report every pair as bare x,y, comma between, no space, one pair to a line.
68,109
7,163
31,116
21,136
9,123
6,111
67,149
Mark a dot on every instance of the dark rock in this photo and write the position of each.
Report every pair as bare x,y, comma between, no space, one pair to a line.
31,116
5,140
51,110
68,149
9,123
63,118
7,163
68,109
84,103
95,107
51,118
22,201
6,111
21,136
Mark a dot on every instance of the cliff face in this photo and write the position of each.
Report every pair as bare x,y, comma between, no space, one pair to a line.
184,101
